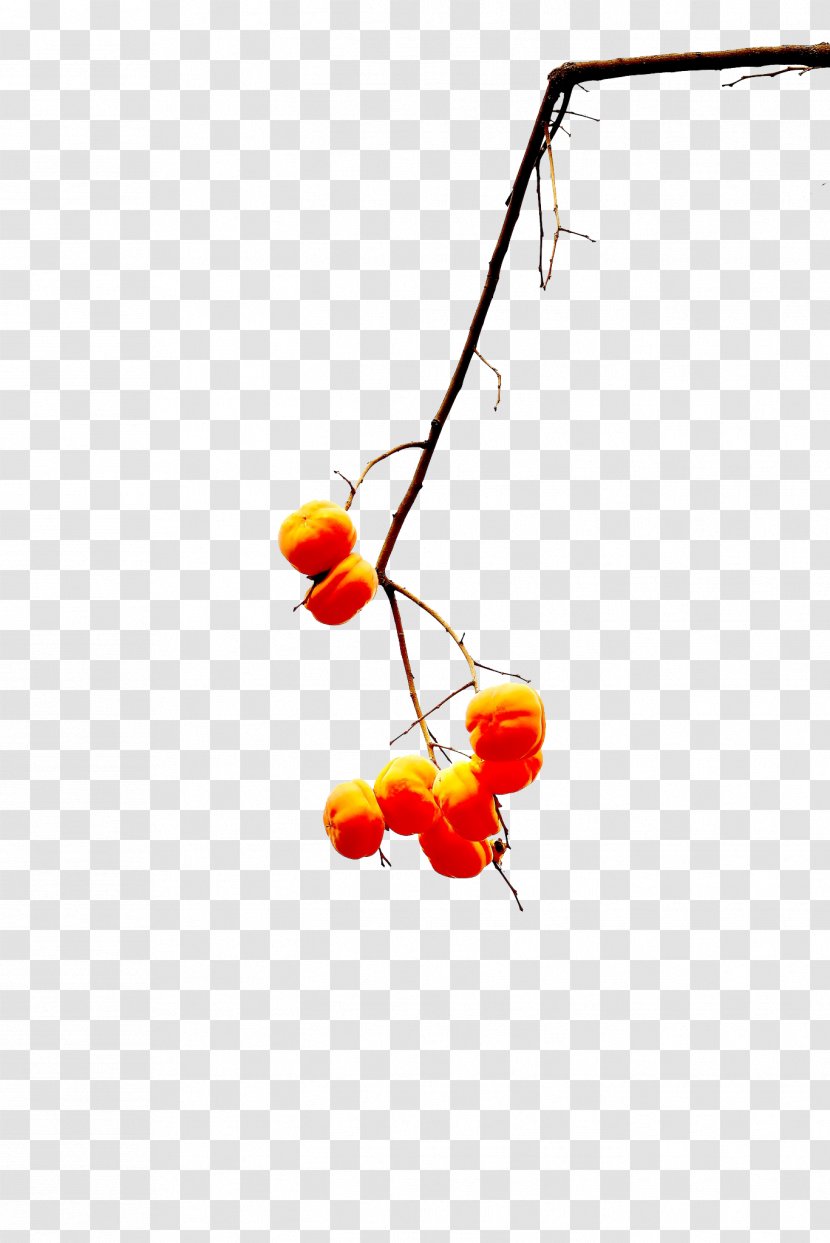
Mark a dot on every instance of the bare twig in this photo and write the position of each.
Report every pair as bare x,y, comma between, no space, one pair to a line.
541,222
505,673
307,594
558,229
512,888
383,859
428,609
446,747
776,73
410,444
502,821
420,720
352,488
498,377
407,667
586,115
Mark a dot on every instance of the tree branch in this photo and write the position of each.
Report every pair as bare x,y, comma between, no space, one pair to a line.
561,83
407,667
410,444
428,609
420,720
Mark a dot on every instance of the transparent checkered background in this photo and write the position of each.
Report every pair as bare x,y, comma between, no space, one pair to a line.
240,247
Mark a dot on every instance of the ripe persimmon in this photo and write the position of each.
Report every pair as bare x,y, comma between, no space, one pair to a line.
403,790
465,803
452,855
317,536
506,722
508,776
344,591
353,819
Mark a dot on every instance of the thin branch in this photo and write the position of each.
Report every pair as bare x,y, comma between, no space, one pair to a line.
558,229
776,73
541,222
410,444
420,720
498,377
407,667
512,888
502,822
307,594
505,673
572,113
352,488
383,859
574,233
440,747
446,747
437,616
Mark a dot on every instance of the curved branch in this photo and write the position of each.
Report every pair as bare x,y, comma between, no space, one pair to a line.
410,444
428,609
407,667
420,720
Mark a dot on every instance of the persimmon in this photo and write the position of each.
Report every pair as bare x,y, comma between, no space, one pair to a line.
508,776
344,591
353,820
403,790
465,803
453,855
506,722
316,536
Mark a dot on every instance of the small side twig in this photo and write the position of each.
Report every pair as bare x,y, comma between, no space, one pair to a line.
471,664
504,673
776,73
502,821
572,113
429,712
407,666
498,377
383,860
410,444
512,888
541,223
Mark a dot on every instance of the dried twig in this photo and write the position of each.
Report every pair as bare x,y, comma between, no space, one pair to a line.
776,73
428,609
383,859
498,377
541,222
586,115
407,667
410,444
504,673
420,720
512,888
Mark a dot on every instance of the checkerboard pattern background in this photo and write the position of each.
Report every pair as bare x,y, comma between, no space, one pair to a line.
240,247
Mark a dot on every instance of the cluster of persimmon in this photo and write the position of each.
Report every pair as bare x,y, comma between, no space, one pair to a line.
318,540
454,811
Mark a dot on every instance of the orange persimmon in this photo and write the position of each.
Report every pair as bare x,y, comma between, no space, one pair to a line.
353,820
452,855
465,803
508,776
316,536
506,722
403,790
344,591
